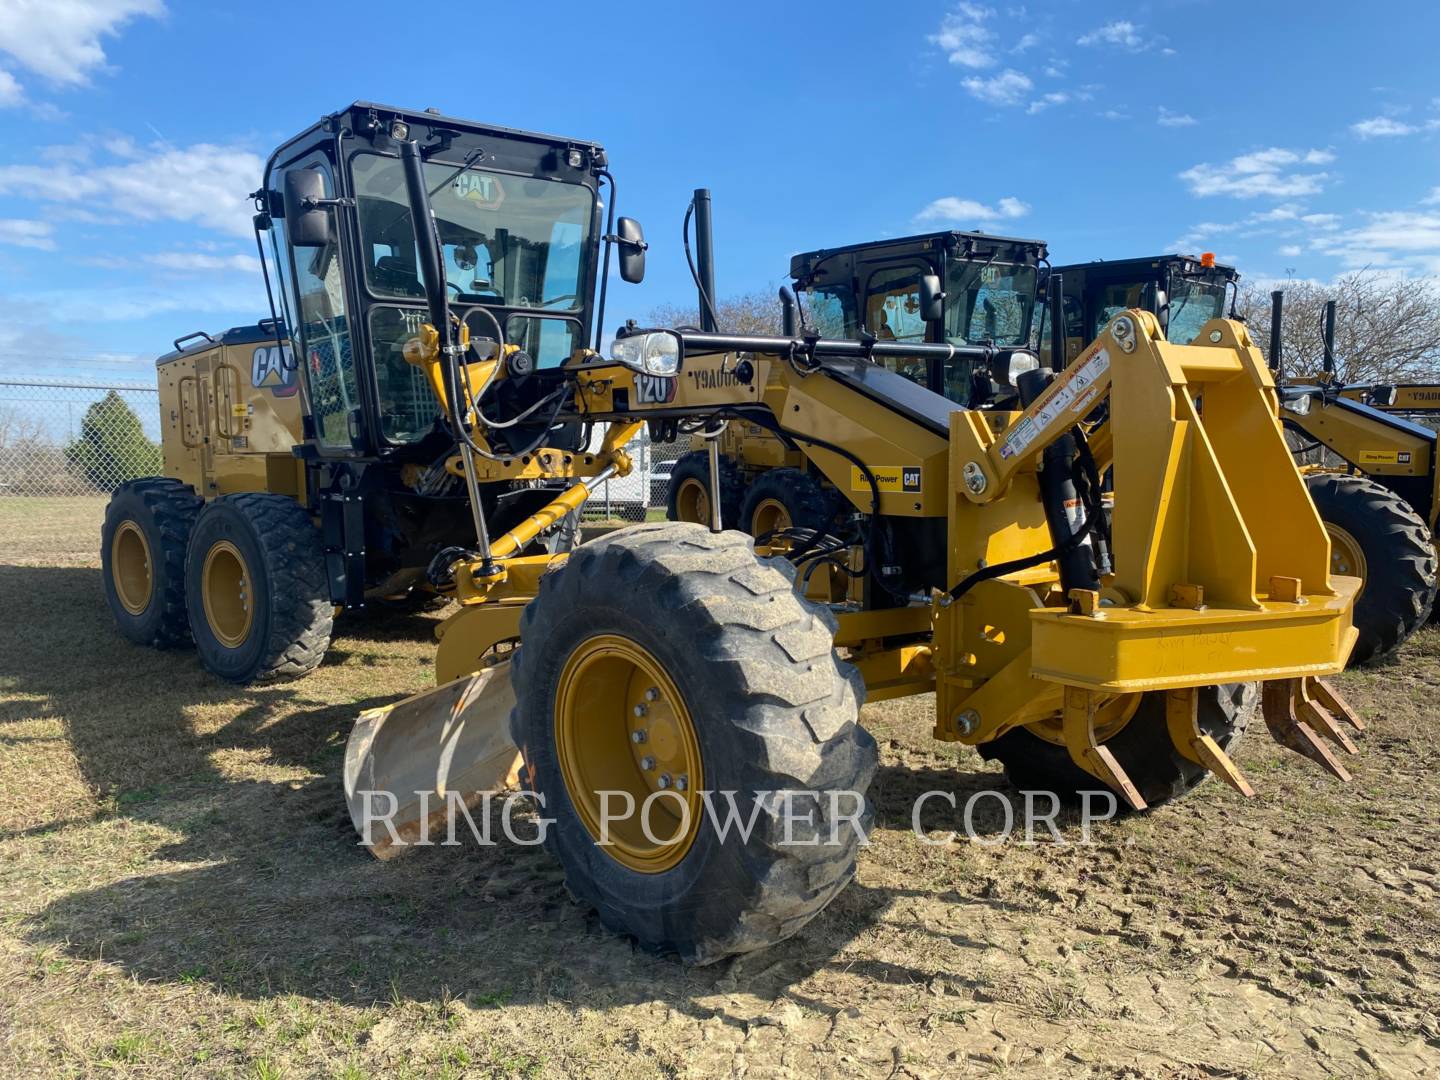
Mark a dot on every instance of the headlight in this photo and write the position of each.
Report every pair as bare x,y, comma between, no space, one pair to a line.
1299,404
1018,363
655,353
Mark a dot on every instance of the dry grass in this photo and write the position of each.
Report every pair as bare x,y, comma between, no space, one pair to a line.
180,893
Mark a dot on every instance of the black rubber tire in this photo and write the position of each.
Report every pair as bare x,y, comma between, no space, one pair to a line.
696,466
164,510
1400,563
807,503
1142,747
293,615
773,708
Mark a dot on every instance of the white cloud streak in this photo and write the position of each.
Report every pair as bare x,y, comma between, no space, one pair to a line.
202,184
964,37
1270,173
61,39
1010,87
23,232
953,210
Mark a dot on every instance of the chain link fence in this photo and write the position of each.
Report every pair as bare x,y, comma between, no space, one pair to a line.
641,495
86,438
61,437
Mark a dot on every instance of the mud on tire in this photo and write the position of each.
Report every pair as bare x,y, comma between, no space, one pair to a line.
772,708
1142,747
163,511
291,616
1399,558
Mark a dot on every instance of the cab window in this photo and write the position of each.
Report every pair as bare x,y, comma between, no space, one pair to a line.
892,304
317,280
831,310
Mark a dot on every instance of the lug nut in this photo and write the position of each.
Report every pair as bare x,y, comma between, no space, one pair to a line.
641,710
652,694
637,737
664,780
682,782
647,763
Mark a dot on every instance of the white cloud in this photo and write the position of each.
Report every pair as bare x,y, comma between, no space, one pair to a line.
1387,127
194,260
61,39
1321,221
965,38
956,211
1263,173
1027,41
11,92
1166,118
1289,251
22,232
1040,104
1114,114
1008,88
1123,34
1432,199
204,184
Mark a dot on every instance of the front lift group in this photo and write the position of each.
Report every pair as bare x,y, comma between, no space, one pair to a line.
1089,560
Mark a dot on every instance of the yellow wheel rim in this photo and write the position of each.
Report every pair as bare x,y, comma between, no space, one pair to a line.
692,501
131,568
227,593
1110,719
769,516
621,726
1347,558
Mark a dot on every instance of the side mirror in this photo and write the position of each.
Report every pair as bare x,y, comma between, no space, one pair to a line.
307,219
631,239
932,300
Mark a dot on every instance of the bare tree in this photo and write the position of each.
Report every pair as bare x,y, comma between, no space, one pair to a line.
755,312
1387,328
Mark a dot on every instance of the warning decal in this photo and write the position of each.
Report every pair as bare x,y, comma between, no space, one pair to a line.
1071,393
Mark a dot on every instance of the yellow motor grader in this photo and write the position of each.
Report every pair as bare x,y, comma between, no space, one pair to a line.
685,715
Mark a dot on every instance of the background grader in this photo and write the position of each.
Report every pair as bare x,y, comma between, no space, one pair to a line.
668,665
1379,514
1379,510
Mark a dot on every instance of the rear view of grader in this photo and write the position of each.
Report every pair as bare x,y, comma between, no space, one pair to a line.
667,663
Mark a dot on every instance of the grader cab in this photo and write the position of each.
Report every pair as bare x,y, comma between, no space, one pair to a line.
305,458
684,707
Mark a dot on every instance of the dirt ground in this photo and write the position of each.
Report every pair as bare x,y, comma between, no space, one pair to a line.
181,894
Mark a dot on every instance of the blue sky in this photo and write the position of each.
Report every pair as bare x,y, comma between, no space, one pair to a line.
1292,138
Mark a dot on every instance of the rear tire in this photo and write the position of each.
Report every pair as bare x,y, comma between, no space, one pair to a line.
1142,747
688,498
766,705
1371,526
142,557
256,588
785,498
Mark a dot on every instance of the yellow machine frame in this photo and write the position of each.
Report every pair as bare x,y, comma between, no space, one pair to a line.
1222,564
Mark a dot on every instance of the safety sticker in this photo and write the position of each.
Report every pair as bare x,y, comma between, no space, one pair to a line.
1072,392
905,478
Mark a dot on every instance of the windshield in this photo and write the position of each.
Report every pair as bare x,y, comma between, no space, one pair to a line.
988,302
1192,305
511,241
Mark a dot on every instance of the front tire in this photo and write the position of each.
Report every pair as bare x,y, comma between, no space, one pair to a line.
256,589
1142,747
142,557
735,680
1376,536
